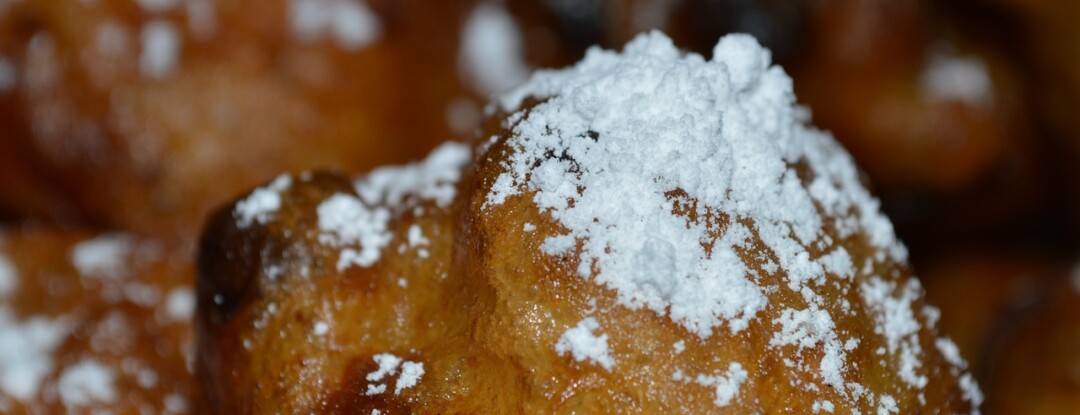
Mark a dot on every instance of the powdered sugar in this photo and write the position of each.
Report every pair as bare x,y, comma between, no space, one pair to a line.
160,49
87,382
261,204
580,342
409,375
491,50
619,133
662,165
896,321
815,328
971,392
349,22
950,352
104,256
180,304
387,362
949,77
26,349
346,222
727,385
360,225
433,179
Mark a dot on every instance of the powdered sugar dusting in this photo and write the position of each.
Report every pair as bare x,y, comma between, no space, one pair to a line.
387,362
87,382
160,49
815,328
26,349
180,304
345,222
491,50
349,22
360,225
104,256
580,342
971,392
433,179
948,77
261,204
896,322
661,165
409,375
619,133
727,385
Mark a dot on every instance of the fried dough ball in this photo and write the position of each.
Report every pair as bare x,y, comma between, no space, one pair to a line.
937,117
94,324
146,115
645,232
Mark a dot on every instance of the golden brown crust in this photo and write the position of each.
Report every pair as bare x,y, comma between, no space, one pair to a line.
483,312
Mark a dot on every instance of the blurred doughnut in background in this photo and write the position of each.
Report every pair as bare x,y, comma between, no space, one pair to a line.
145,115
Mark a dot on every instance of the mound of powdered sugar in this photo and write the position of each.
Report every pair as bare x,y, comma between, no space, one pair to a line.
618,133
661,166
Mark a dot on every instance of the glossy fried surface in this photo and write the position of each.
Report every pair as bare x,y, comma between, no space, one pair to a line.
281,329
102,325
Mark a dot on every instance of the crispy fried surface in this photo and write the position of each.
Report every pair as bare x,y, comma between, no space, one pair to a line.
483,311
125,316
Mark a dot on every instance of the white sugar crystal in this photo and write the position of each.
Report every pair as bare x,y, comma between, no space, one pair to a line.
320,328
87,382
580,342
160,49
727,385
627,129
435,178
950,352
26,349
824,405
971,392
261,204
180,304
349,22
345,221
896,322
410,376
491,58
176,403
388,364
105,256
887,405
416,236
954,78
